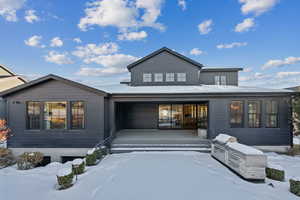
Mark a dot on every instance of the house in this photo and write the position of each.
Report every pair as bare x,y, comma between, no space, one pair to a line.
168,98
8,80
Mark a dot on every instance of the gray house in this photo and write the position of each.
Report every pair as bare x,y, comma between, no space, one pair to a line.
171,103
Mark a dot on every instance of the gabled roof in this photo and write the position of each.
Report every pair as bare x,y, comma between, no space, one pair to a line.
48,78
11,74
7,70
10,82
166,50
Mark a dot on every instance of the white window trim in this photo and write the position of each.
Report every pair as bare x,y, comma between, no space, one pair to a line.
170,77
158,77
147,77
181,77
223,80
217,80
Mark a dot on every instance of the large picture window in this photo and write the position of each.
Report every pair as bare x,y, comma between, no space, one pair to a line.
55,115
271,114
33,115
254,114
236,114
77,115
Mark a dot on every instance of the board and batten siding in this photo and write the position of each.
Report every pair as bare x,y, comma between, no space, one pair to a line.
165,63
219,122
208,78
2,108
55,91
141,113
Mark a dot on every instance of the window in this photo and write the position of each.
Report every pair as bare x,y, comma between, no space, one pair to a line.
272,114
170,77
181,77
158,77
77,115
223,80
236,114
254,114
147,77
220,80
55,115
33,115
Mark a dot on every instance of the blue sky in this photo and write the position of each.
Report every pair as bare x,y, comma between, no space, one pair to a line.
93,41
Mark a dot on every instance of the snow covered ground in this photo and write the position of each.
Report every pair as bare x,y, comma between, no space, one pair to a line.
148,176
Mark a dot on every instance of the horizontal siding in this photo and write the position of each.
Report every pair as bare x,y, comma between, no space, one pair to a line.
208,78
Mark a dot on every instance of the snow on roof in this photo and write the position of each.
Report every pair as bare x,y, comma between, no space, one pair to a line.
187,89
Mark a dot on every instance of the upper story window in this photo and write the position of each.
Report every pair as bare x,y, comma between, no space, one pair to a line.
181,77
158,77
147,77
33,115
220,80
170,77
254,114
271,114
236,114
55,115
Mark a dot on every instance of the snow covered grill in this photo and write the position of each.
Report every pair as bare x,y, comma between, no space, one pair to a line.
247,161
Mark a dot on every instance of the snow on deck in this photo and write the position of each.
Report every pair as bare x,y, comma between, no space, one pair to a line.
188,89
147,176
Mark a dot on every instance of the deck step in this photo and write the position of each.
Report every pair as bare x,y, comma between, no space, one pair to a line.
129,148
206,145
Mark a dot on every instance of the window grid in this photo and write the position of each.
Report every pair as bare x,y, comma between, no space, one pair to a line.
271,114
77,115
147,77
181,77
33,115
236,114
170,77
158,77
254,115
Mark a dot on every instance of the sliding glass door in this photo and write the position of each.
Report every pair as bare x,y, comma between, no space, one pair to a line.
182,116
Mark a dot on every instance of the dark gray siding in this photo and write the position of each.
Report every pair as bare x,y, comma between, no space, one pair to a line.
165,63
208,78
144,116
55,91
2,108
137,116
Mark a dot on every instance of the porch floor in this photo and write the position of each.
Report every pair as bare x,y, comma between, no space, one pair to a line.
155,137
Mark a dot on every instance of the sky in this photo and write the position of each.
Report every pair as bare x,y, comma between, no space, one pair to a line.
93,41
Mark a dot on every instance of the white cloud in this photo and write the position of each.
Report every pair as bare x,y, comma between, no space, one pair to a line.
287,74
77,40
31,17
34,41
58,58
113,60
196,52
254,77
87,71
279,63
248,69
122,14
92,50
205,27
257,7
132,35
245,26
56,42
232,45
182,4
8,9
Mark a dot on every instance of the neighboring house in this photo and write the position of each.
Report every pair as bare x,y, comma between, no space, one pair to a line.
167,99
8,80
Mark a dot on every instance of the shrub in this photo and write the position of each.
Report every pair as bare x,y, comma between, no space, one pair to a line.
91,158
98,153
104,150
295,186
65,178
29,160
6,158
275,172
78,166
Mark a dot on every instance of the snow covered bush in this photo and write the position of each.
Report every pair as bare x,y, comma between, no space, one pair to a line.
29,160
91,157
275,172
295,186
104,150
65,178
78,166
6,158
98,153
